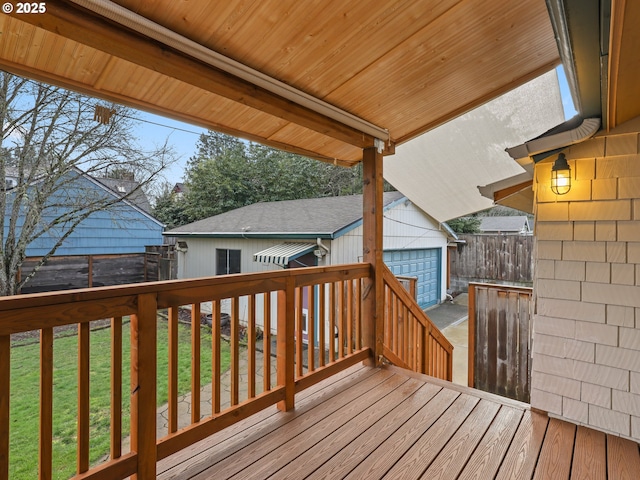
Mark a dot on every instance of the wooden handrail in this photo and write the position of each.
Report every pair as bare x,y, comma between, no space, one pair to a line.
336,287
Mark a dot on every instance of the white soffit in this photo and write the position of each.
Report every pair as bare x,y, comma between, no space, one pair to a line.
441,170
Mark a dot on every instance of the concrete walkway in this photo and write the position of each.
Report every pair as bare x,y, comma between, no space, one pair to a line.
206,405
452,318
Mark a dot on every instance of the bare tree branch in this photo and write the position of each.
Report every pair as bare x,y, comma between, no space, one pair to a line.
54,150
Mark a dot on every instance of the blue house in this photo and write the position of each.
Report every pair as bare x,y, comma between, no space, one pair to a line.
126,227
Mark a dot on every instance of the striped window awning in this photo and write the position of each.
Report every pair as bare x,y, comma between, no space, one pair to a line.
283,253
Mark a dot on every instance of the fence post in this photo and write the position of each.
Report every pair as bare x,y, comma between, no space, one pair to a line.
285,344
143,385
90,269
472,335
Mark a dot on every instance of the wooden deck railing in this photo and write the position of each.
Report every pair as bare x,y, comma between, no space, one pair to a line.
411,340
328,298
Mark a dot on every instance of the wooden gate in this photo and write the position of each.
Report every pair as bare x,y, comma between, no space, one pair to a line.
500,339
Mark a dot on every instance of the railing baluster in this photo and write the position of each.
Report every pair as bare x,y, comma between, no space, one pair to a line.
322,343
173,370
5,391
235,350
349,307
215,357
46,403
358,313
266,343
311,320
332,322
412,336
395,319
195,363
340,320
82,460
116,387
298,321
251,347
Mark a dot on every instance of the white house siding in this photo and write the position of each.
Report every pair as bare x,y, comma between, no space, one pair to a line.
586,361
200,261
200,258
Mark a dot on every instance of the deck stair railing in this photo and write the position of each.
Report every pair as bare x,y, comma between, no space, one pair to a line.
411,339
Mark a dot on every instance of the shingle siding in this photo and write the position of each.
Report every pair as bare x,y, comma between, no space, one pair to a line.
586,361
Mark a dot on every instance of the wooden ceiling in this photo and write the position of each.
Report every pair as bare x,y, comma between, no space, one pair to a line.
405,66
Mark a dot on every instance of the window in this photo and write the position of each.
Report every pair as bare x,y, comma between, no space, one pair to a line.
227,261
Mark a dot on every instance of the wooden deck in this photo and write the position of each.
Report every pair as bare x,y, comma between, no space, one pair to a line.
389,423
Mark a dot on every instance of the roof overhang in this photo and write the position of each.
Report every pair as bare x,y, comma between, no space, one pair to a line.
323,80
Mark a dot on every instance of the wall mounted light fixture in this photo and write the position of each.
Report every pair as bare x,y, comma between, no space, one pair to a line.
560,176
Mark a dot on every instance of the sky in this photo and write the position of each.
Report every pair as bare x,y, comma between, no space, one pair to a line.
154,130
182,137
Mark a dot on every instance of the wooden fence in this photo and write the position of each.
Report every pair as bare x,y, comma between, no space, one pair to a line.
491,258
500,339
68,272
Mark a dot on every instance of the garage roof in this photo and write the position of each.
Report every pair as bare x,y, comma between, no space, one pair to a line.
325,217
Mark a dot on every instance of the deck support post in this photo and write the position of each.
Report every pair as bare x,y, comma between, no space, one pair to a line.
373,286
143,386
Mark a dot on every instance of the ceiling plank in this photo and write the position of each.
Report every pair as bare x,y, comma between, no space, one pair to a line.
79,25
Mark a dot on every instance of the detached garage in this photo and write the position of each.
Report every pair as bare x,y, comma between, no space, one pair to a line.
316,231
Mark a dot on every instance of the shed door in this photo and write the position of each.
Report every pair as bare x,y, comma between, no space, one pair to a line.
424,264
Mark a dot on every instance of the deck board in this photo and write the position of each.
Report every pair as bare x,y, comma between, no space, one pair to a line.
369,408
452,459
425,449
378,462
589,458
557,450
388,413
623,458
486,459
382,423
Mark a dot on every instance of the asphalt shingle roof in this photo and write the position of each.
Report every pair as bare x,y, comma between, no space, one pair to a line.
326,215
513,223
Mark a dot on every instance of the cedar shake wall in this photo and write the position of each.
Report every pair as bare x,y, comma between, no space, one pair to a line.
586,346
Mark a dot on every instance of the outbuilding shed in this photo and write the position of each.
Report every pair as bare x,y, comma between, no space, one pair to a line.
317,231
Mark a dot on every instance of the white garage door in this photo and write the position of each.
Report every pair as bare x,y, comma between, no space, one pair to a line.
425,265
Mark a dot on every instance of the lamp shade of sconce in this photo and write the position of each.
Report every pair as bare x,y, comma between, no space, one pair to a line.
560,176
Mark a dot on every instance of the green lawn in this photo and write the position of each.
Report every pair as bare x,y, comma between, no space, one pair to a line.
25,396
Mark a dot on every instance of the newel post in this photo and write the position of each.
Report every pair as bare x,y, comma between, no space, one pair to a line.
285,345
373,287
143,386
